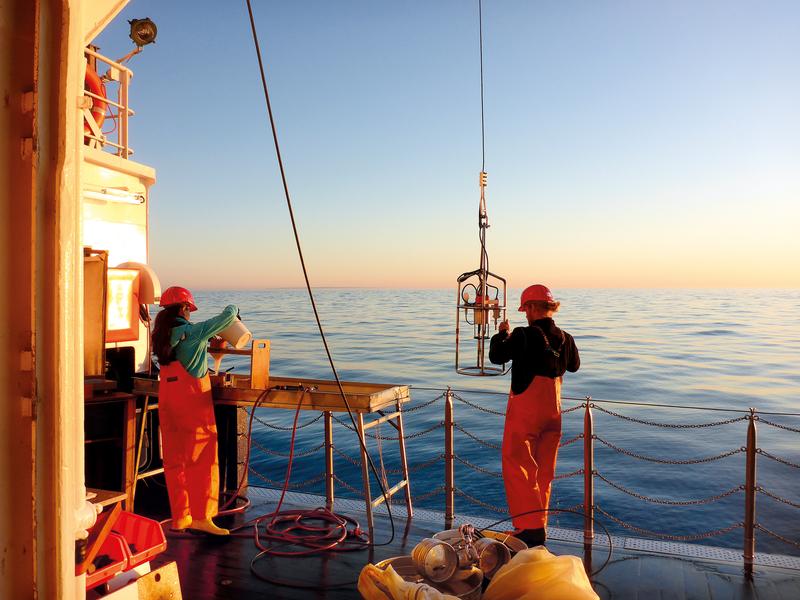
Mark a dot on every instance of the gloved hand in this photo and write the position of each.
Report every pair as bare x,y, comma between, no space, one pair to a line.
216,342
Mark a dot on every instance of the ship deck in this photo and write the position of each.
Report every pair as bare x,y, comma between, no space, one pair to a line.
638,569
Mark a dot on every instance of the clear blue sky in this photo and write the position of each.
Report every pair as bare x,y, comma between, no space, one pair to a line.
638,143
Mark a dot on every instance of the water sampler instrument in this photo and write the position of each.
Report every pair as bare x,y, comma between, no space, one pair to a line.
481,295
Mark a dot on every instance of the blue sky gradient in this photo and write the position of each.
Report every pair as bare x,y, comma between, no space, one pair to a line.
628,144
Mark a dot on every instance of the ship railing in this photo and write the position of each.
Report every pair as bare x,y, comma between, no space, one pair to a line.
116,78
470,462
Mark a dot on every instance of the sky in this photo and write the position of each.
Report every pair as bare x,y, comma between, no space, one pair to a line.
628,143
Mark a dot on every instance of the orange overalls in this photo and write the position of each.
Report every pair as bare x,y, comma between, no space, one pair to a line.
530,447
189,438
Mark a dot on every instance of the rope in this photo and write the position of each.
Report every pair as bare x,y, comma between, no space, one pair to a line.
708,500
667,461
669,425
480,39
675,538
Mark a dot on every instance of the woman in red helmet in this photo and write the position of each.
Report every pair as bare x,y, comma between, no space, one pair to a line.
186,410
540,354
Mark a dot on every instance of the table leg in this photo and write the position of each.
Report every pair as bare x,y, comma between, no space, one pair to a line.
365,475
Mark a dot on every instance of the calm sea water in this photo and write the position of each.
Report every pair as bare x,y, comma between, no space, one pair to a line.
729,349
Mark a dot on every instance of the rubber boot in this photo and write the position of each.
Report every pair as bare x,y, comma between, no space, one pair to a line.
181,523
207,526
533,537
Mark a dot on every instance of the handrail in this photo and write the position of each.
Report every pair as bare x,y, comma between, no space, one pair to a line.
120,75
744,411
431,422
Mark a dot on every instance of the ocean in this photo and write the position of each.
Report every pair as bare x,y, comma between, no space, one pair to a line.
705,348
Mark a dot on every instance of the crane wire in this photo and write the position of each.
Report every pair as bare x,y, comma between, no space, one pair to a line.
305,271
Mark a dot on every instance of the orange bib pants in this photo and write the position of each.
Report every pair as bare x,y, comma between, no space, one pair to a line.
530,447
189,439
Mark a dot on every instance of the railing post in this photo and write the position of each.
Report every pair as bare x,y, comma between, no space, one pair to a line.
328,418
449,478
123,113
750,494
588,473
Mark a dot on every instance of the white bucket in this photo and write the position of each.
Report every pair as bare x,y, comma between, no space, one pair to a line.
236,334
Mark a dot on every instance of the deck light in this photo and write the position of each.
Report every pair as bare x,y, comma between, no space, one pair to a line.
143,31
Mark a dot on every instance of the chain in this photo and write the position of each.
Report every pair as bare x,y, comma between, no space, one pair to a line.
480,503
669,502
474,467
568,475
286,454
571,440
348,487
667,461
392,437
669,425
423,405
347,457
477,406
427,495
766,492
282,428
576,407
294,486
675,538
417,466
778,425
777,537
477,439
778,458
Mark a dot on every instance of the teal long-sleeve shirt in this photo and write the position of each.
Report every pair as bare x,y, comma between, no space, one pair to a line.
190,339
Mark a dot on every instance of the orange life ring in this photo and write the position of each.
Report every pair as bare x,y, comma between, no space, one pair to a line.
93,84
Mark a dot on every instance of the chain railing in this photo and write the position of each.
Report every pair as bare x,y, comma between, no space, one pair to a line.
451,427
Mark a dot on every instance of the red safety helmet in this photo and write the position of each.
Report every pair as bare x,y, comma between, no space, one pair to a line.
177,295
535,293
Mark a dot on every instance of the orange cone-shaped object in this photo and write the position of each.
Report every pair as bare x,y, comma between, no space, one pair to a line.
189,438
530,448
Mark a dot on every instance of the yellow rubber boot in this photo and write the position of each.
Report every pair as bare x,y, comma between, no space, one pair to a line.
181,523
207,526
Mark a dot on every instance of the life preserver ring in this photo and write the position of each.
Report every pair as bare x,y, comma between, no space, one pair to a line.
92,83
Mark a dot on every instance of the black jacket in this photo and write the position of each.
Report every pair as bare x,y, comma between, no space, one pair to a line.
531,355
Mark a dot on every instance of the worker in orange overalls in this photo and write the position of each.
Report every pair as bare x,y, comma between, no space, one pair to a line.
186,410
540,354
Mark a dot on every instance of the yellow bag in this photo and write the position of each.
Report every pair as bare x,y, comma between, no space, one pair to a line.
536,574
375,583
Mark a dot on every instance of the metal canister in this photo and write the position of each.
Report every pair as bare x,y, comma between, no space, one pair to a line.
434,559
491,555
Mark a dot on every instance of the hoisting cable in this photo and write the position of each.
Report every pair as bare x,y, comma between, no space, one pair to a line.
314,307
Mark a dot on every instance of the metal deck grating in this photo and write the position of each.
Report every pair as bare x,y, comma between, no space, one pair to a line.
710,553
